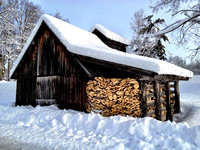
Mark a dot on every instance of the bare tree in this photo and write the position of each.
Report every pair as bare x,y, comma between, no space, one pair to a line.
137,23
188,28
7,34
27,16
18,17
58,15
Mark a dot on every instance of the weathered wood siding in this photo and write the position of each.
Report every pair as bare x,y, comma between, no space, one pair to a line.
111,43
49,74
26,92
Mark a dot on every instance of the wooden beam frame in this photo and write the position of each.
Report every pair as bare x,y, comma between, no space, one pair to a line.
157,102
177,97
143,98
168,102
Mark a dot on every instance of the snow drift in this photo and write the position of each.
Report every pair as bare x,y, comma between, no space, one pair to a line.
53,128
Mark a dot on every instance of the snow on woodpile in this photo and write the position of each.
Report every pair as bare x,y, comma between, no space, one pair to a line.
110,34
84,43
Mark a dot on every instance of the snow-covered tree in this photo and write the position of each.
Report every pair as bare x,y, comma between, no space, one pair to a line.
27,16
188,27
193,65
178,61
144,41
17,19
7,34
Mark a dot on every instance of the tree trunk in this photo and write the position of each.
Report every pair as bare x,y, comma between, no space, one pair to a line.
8,77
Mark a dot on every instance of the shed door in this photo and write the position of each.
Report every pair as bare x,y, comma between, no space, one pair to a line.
47,90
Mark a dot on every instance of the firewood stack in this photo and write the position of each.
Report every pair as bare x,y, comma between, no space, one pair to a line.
114,96
163,103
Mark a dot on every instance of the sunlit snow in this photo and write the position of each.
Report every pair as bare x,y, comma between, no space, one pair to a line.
51,128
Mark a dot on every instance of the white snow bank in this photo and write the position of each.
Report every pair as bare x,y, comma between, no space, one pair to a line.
51,128
60,129
110,34
84,43
190,101
7,93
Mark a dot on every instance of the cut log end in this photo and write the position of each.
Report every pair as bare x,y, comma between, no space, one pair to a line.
114,96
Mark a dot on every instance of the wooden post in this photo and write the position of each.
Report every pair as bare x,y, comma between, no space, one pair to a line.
157,102
143,99
177,97
168,103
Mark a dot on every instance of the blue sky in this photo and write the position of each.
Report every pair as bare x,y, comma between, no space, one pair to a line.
113,14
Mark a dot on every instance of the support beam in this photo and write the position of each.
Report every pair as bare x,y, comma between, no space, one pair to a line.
168,103
177,97
157,102
143,99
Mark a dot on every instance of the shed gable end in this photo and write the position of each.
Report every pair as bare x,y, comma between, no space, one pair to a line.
48,74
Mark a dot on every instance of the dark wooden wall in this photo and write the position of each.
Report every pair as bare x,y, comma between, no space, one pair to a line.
49,74
111,43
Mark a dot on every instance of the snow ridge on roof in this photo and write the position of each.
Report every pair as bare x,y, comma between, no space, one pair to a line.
110,34
85,43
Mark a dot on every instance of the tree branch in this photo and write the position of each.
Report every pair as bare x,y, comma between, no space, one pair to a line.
176,25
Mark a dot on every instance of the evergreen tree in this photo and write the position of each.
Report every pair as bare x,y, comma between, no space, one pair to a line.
145,42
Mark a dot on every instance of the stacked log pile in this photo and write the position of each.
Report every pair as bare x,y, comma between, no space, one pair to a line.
163,100
114,96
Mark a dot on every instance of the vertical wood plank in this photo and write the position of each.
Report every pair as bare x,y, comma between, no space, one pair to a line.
18,92
177,97
168,102
157,102
143,98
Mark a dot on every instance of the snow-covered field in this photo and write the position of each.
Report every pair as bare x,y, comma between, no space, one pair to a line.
51,128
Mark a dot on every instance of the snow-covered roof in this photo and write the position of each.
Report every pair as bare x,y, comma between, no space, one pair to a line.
85,43
110,34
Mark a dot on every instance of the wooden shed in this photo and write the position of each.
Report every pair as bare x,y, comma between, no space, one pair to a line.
72,68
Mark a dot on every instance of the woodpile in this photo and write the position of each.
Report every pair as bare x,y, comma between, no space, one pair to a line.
114,96
163,100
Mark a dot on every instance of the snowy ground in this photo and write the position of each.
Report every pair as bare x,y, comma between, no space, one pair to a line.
190,101
51,128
